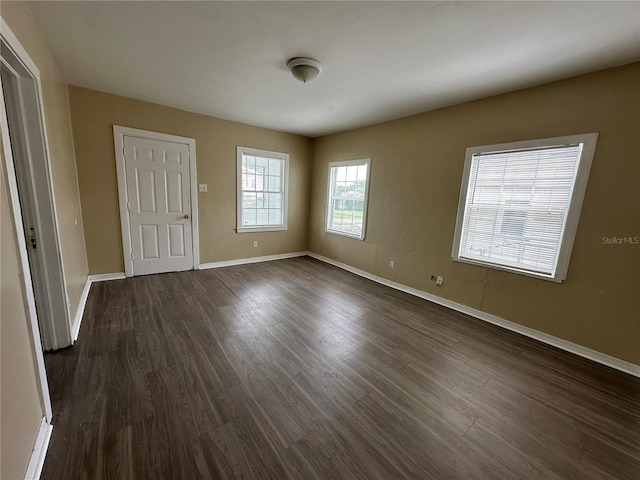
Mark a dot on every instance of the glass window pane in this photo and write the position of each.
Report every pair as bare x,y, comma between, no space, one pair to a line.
261,165
259,182
275,200
249,216
337,221
362,173
275,217
262,216
248,199
274,184
275,167
251,182
352,173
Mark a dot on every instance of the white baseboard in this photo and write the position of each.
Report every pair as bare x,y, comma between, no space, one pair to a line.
77,321
585,352
244,261
39,453
75,329
103,277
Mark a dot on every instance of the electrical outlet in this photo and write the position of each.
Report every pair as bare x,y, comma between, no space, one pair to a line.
255,244
202,187
439,280
392,264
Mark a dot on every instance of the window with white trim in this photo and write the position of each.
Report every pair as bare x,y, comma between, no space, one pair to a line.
520,203
347,197
262,190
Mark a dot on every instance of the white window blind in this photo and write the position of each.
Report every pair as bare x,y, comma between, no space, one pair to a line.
516,207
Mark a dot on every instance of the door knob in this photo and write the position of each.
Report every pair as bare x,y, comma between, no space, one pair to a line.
186,215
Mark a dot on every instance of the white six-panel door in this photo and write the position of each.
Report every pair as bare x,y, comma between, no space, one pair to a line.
158,204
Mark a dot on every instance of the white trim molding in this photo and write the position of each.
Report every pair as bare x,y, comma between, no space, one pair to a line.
105,277
102,277
39,453
594,355
244,261
75,329
38,205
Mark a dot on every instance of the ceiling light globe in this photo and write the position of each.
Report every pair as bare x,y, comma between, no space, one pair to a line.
304,69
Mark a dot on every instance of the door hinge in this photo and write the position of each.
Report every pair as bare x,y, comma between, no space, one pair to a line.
131,256
31,238
128,206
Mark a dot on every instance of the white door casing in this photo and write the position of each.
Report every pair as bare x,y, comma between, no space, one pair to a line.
12,52
23,123
158,201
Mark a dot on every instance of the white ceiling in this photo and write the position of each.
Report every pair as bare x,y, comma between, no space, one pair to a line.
382,60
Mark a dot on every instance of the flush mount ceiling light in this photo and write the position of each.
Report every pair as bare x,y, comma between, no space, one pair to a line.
304,69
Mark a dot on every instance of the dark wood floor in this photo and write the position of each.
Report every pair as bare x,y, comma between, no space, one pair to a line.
296,369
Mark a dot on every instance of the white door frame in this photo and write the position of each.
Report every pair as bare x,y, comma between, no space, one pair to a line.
50,285
12,51
118,139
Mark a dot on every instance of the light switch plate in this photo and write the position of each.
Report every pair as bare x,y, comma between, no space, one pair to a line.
202,187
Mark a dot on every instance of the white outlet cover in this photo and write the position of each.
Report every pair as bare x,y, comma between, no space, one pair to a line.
202,187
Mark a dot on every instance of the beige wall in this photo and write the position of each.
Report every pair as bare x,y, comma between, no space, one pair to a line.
61,154
416,172
93,115
20,408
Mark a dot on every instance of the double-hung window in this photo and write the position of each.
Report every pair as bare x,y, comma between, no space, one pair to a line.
347,198
520,203
262,190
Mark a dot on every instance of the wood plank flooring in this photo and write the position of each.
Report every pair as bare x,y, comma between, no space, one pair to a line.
295,369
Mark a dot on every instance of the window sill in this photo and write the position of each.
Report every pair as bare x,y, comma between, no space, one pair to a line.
261,229
505,268
345,234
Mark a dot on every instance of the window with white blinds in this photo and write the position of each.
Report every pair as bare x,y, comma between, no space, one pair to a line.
520,202
262,190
